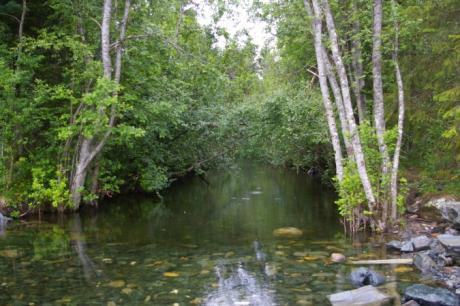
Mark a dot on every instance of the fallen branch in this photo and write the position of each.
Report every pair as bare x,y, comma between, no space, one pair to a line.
394,261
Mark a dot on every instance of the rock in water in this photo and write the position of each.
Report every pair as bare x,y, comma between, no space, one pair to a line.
425,295
365,276
407,246
424,262
367,295
287,232
338,257
421,243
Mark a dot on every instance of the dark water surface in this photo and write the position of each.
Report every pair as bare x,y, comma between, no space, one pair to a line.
202,245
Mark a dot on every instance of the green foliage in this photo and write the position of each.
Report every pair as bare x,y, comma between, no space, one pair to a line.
48,190
350,191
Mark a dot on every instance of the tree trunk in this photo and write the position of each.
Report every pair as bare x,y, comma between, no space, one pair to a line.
358,71
339,103
79,177
379,110
317,29
354,133
399,82
105,39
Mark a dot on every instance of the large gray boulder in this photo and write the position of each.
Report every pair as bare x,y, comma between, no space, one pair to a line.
452,245
429,296
367,295
450,242
449,209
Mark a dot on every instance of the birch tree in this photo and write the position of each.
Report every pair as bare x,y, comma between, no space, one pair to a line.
317,30
336,74
345,89
92,146
401,110
379,110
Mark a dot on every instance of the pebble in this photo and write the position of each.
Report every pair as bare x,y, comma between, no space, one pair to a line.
127,291
117,284
338,257
170,274
196,301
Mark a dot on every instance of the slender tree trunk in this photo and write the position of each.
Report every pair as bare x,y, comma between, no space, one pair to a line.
21,28
358,71
79,177
379,110
317,29
339,103
399,82
105,39
354,133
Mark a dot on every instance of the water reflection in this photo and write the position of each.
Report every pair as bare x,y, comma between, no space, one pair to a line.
3,223
79,245
240,287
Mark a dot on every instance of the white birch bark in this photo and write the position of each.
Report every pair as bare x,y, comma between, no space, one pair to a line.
339,103
379,110
317,29
401,109
358,71
354,133
105,39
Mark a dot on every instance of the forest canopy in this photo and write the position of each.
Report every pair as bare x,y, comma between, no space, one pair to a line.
105,97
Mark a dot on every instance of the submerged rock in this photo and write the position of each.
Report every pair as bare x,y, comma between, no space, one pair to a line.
287,232
117,284
338,257
425,295
367,295
365,276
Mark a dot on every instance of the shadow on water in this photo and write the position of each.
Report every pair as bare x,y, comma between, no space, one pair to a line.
204,244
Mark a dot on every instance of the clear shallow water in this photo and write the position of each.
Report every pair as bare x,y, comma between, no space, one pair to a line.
204,244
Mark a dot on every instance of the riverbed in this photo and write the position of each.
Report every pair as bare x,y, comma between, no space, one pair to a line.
206,242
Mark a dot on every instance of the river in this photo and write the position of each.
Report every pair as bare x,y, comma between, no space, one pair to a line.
205,243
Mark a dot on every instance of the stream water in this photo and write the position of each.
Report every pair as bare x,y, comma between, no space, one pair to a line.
203,244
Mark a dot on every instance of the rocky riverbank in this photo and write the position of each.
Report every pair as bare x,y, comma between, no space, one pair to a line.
430,239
